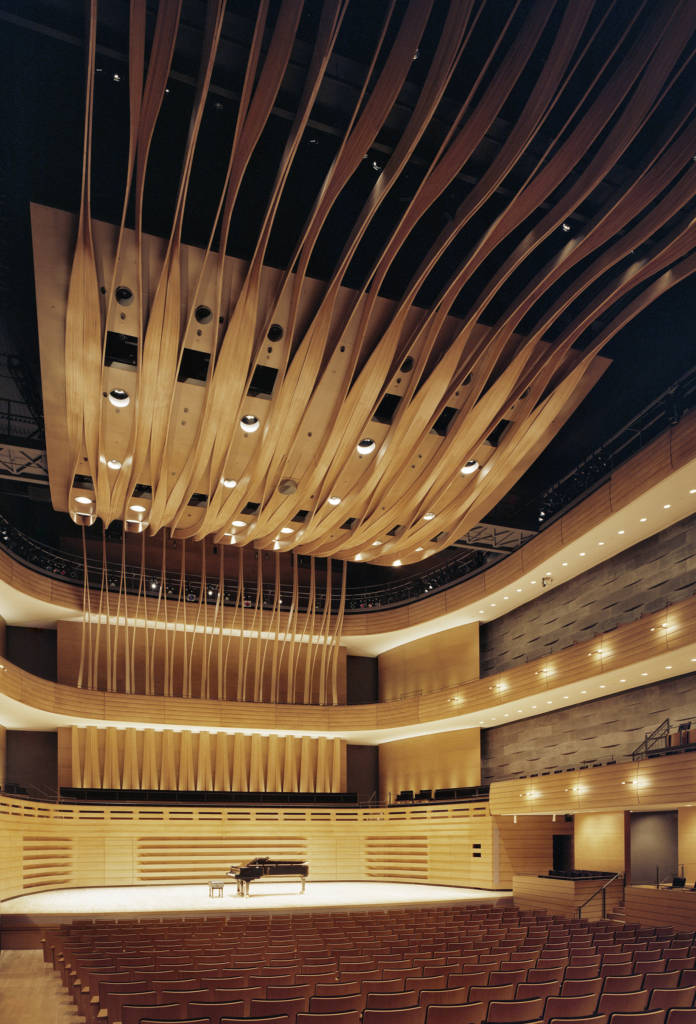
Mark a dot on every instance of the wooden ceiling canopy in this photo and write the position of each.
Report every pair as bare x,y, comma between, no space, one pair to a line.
342,350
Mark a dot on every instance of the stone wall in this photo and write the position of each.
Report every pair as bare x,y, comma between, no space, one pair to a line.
598,731
643,579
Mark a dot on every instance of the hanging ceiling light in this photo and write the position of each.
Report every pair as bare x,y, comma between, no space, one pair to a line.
249,423
366,446
469,467
119,398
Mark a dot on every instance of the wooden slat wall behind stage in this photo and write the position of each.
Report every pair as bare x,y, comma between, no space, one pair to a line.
44,846
442,760
186,760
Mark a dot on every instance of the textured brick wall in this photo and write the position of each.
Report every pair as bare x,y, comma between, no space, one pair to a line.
643,579
599,730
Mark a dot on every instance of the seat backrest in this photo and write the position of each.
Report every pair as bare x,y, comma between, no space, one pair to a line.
623,1002
486,993
652,1017
133,1013
514,1011
408,1015
272,1007
570,1006
454,1013
246,993
430,996
336,988
391,1000
381,985
337,1004
345,1017
507,977
215,1010
681,1016
661,979
666,998
623,983
468,978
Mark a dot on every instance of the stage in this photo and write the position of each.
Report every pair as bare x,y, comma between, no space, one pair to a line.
24,915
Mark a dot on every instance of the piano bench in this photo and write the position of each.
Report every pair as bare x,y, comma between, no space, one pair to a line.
216,889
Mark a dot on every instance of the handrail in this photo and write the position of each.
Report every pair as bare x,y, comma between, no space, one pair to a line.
603,890
660,732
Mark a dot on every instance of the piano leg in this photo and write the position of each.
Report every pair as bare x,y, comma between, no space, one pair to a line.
303,886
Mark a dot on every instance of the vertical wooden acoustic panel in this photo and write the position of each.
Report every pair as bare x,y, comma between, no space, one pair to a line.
599,842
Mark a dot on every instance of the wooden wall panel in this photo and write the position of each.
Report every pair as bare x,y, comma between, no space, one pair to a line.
564,897
185,760
59,846
687,842
525,846
3,756
440,761
443,659
599,842
675,908
654,784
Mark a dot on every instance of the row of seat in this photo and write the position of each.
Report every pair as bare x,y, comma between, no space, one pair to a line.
431,965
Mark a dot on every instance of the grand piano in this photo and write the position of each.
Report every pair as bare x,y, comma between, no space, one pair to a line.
267,869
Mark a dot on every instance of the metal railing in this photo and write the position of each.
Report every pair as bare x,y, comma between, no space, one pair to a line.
603,890
658,737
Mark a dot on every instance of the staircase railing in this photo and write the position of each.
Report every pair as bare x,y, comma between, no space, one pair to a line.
659,735
603,890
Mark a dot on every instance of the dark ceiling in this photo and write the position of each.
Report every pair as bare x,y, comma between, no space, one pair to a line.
42,56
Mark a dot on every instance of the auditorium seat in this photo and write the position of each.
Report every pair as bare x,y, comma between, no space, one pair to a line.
391,1000
649,1017
666,998
623,1002
431,997
452,1013
337,1003
134,1013
570,1006
623,983
214,1010
346,1017
582,987
408,1015
273,1007
516,1011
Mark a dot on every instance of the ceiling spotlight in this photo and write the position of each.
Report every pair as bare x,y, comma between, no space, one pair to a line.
469,467
334,500
276,545
137,508
239,523
119,398
286,529
113,463
287,486
366,446
376,543
428,516
376,166
397,562
228,482
82,499
358,558
419,549
249,423
566,226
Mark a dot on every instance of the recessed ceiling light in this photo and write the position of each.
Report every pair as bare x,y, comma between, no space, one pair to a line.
644,673
533,707
228,482
644,519
376,543
286,529
622,680
419,549
334,500
549,702
519,590
583,691
358,558
564,564
397,562
600,543
668,667
119,398
249,423
582,554
666,506
481,612
621,532
602,686
469,467
566,226
506,598
693,490
137,508
533,582
566,697
82,499
428,516
238,523
114,463
492,604
365,446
